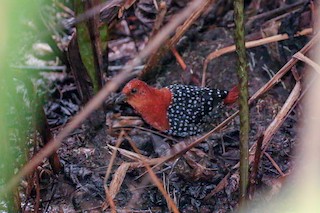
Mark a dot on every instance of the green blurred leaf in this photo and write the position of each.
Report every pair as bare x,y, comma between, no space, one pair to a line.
16,22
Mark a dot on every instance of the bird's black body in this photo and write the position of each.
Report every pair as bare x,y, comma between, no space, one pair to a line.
192,109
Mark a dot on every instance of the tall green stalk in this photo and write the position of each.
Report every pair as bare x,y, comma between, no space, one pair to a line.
243,99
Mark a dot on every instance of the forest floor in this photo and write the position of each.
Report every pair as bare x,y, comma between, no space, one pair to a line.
191,180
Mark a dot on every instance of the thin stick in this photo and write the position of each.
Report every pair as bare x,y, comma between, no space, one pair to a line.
219,187
179,58
274,164
277,122
308,61
276,12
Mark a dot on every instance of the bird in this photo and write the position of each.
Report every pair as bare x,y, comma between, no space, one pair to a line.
177,110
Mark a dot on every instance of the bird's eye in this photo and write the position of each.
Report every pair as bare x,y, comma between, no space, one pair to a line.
134,90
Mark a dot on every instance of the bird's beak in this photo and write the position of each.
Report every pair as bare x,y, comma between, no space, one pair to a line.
120,98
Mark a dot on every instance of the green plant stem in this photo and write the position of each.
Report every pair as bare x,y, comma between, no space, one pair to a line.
243,98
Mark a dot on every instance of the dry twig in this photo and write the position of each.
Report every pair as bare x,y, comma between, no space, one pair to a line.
274,164
308,61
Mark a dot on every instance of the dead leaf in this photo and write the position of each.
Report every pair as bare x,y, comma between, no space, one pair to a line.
116,182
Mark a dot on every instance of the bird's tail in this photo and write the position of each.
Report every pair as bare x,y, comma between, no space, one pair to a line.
232,96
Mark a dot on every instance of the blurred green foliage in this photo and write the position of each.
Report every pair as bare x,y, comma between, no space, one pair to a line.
17,18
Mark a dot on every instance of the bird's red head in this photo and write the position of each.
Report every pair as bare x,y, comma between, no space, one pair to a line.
148,101
137,93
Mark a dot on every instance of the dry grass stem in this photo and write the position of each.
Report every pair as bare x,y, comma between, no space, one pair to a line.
179,58
274,164
308,61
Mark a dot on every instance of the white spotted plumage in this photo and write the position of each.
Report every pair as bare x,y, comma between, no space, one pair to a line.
192,108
